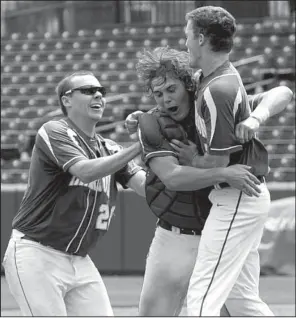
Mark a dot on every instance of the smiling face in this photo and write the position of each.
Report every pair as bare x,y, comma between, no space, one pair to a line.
82,105
193,44
171,97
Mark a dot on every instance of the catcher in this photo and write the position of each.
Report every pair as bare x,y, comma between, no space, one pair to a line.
181,212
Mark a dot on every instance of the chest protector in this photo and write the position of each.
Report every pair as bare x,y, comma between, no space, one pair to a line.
183,209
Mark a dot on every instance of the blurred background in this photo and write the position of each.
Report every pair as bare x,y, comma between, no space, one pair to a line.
42,41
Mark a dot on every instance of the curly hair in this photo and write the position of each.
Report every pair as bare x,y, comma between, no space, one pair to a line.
163,60
215,23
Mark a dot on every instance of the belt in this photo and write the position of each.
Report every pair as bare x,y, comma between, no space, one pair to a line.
26,237
226,185
165,225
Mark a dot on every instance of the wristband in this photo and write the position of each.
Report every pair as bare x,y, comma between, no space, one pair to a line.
261,114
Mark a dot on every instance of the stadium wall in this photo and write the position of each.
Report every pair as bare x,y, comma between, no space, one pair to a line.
124,248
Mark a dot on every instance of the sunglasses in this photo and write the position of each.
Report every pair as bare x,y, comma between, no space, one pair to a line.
88,90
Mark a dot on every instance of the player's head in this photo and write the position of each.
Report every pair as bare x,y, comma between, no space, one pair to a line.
208,29
166,75
81,94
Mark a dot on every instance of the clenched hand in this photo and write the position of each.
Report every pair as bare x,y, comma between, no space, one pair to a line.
131,121
245,130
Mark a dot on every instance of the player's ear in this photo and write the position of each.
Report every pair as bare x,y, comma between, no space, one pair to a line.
66,101
201,39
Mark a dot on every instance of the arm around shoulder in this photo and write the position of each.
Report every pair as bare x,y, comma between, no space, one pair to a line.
184,178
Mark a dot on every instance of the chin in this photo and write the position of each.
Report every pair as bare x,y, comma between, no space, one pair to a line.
179,117
96,118
193,64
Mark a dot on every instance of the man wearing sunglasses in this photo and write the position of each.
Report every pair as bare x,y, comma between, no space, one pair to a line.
67,206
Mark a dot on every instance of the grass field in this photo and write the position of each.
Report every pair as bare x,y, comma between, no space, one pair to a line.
124,292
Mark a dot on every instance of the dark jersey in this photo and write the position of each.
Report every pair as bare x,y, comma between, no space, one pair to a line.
183,209
57,209
221,103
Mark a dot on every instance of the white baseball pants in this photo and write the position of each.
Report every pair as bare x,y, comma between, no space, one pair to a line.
169,266
47,282
227,265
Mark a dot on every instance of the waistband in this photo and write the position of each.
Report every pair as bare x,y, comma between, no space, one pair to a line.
17,234
165,225
226,185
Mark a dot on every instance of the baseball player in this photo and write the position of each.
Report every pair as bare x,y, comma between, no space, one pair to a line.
228,264
67,207
173,251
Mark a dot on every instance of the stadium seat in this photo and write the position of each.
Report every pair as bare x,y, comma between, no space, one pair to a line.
7,69
31,35
10,113
8,47
65,35
42,46
291,39
59,45
34,65
98,32
15,79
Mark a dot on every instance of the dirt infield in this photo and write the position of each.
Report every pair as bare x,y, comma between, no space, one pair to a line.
124,291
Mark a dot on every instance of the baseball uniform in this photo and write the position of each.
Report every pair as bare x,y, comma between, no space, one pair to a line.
174,247
46,263
228,260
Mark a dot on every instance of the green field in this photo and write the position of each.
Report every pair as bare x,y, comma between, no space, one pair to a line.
124,291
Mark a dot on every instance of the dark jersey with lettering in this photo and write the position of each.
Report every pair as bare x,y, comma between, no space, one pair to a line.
221,103
59,210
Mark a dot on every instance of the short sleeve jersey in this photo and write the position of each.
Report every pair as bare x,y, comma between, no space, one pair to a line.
58,209
221,103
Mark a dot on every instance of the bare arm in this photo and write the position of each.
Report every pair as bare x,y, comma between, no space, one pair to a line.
274,101
184,178
210,161
271,103
137,183
89,170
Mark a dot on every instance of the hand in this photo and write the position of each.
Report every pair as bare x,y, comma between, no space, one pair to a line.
185,152
246,129
132,120
240,177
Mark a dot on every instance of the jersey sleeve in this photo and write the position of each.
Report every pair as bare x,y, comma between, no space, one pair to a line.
221,103
123,175
254,100
59,144
150,151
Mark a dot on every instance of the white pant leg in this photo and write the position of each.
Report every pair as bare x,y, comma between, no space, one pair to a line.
244,299
36,278
234,225
89,297
169,265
